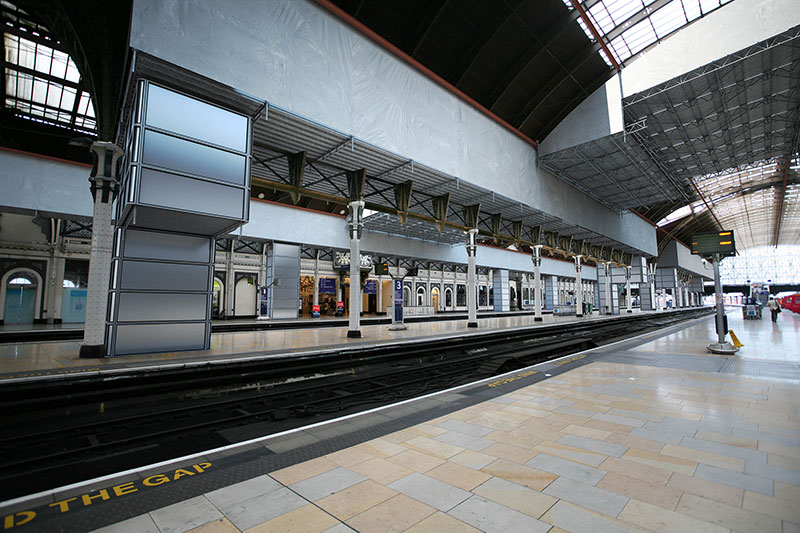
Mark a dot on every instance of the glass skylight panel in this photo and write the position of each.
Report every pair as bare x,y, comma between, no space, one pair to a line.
708,5
611,16
622,10
601,18
32,73
692,9
639,37
669,18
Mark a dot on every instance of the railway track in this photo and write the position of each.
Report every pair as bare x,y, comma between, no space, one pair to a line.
71,430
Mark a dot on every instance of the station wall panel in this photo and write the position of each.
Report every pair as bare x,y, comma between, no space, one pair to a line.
283,278
150,307
148,338
163,276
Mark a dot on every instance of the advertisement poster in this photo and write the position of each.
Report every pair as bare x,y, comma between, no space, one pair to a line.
371,287
264,311
398,300
327,285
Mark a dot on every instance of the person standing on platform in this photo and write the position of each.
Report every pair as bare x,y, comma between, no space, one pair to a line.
774,308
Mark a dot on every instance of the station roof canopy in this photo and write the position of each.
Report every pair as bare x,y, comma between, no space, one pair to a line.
719,144
530,62
722,140
715,148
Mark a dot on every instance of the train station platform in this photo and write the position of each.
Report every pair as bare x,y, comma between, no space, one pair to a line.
13,333
249,339
652,433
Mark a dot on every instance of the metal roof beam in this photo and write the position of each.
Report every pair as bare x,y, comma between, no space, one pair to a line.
566,109
427,21
597,37
781,197
489,32
532,105
44,76
529,56
608,176
778,40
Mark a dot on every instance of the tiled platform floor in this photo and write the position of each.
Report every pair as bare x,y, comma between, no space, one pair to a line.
602,447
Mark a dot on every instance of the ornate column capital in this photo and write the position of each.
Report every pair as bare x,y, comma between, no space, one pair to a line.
104,176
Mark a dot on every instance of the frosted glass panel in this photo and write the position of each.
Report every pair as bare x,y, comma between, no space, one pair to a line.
185,156
155,245
169,190
145,338
166,276
149,307
193,118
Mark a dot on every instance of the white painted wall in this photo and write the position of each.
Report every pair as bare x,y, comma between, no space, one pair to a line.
299,57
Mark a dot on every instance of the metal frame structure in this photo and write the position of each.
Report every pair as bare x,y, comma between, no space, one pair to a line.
40,81
722,138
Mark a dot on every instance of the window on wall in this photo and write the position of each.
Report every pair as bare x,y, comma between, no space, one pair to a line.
77,272
448,298
461,294
42,82
406,297
482,293
776,265
420,295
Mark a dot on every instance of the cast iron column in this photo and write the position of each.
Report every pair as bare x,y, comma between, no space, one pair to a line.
537,282
578,287
472,296
607,288
355,226
104,187
316,277
628,288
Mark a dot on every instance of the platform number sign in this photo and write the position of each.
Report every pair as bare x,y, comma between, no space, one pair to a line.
398,301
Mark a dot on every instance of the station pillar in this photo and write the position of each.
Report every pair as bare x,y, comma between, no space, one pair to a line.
472,284
104,186
578,288
379,295
356,224
316,277
628,289
607,288
537,282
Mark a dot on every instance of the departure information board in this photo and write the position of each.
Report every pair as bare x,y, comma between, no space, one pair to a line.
719,242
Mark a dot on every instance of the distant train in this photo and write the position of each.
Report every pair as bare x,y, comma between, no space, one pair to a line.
790,302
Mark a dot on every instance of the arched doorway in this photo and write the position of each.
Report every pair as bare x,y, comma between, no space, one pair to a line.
406,297
21,294
448,298
435,299
217,297
245,297
420,296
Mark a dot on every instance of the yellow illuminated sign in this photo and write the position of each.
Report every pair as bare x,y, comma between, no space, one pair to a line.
720,242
